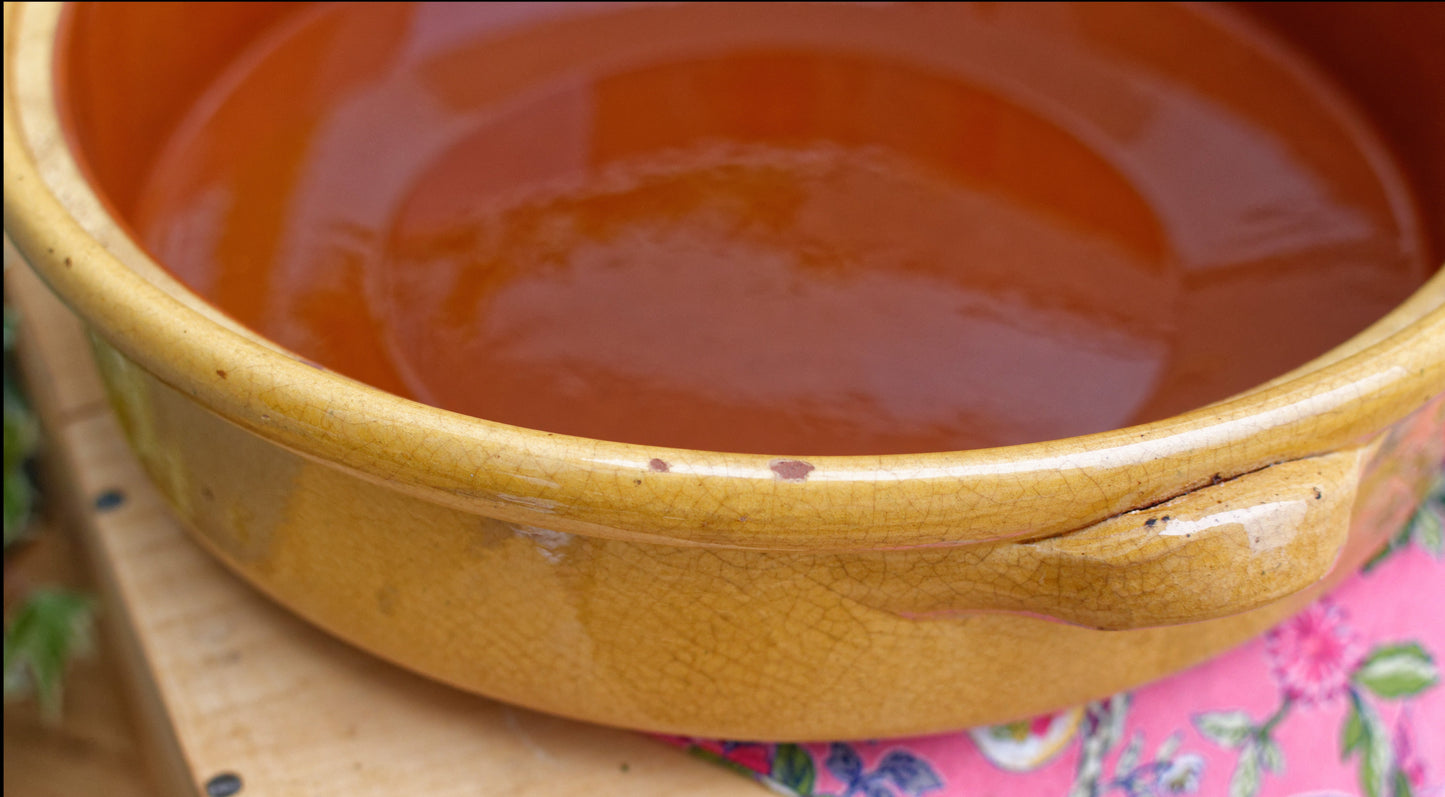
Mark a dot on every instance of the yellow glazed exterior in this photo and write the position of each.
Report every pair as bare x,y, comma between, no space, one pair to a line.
720,594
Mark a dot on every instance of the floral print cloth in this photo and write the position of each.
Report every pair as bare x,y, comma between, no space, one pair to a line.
1342,699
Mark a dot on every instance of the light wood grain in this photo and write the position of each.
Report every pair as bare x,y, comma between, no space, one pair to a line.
228,682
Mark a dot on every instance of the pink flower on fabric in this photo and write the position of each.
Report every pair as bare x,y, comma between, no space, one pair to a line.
1040,725
753,755
1313,654
757,757
1411,765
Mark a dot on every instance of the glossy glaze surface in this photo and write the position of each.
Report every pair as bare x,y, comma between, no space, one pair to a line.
726,594
747,235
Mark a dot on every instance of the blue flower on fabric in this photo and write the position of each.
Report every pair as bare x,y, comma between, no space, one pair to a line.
899,772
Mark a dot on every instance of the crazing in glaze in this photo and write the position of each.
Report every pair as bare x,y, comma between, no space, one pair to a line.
702,592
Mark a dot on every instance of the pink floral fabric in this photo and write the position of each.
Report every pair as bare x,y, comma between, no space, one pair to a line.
1342,699
1312,655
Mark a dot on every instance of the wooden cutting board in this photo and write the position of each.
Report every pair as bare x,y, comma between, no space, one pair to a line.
229,684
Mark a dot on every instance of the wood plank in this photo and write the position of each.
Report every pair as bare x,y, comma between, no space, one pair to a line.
234,684
93,749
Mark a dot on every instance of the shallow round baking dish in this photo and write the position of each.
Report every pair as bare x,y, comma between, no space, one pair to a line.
732,595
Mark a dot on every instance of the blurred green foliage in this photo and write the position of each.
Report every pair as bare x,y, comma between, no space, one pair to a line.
21,439
49,626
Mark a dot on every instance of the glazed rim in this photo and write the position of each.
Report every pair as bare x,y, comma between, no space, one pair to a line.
639,492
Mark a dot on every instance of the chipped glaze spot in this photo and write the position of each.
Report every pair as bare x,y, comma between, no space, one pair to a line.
549,543
791,470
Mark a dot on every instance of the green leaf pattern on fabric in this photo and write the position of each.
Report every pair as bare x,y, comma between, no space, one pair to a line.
1396,671
1316,659
1390,671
